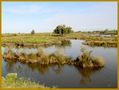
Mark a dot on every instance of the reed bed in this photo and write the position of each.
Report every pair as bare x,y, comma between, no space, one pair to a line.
85,59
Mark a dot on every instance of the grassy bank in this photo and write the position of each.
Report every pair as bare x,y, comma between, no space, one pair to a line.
101,43
28,39
94,40
46,39
12,81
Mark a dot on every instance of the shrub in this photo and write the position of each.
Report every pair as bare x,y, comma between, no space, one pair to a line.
32,32
87,60
98,61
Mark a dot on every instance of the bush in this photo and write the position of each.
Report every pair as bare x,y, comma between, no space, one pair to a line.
98,61
32,32
62,29
87,60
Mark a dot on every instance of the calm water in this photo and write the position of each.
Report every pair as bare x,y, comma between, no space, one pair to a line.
68,76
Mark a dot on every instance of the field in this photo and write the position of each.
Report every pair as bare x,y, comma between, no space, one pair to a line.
50,39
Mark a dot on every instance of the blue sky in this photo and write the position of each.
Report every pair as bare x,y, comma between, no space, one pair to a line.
45,16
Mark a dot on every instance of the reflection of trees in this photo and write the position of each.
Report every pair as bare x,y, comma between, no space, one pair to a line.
86,74
65,43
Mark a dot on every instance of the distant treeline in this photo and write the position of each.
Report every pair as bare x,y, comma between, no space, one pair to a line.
104,32
63,29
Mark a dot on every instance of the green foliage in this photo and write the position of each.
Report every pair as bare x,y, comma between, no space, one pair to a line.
62,29
32,32
49,39
28,39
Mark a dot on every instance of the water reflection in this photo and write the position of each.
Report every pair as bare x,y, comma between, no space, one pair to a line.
42,69
65,43
86,73
67,76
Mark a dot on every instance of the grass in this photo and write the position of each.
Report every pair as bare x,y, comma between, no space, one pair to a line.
105,43
49,38
12,81
30,39
87,60
98,61
38,57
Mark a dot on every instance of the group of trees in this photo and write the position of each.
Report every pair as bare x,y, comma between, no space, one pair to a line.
32,32
62,29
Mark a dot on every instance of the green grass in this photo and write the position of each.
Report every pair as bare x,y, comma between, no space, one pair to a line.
50,38
27,38
12,81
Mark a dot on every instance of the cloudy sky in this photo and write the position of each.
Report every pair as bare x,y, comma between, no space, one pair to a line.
45,16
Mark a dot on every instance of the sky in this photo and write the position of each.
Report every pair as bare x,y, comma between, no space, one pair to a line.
23,17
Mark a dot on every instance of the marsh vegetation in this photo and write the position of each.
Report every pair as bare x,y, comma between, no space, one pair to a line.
12,81
47,39
84,60
58,44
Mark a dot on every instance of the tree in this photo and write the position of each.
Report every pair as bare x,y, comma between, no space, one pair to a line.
33,32
62,29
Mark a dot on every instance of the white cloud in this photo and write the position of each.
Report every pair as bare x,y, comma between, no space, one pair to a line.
98,17
28,9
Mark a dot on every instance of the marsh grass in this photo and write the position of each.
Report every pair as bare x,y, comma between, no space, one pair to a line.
87,60
27,39
12,81
101,43
38,57
46,39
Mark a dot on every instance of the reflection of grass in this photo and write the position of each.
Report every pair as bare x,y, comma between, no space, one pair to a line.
86,74
42,69
12,81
